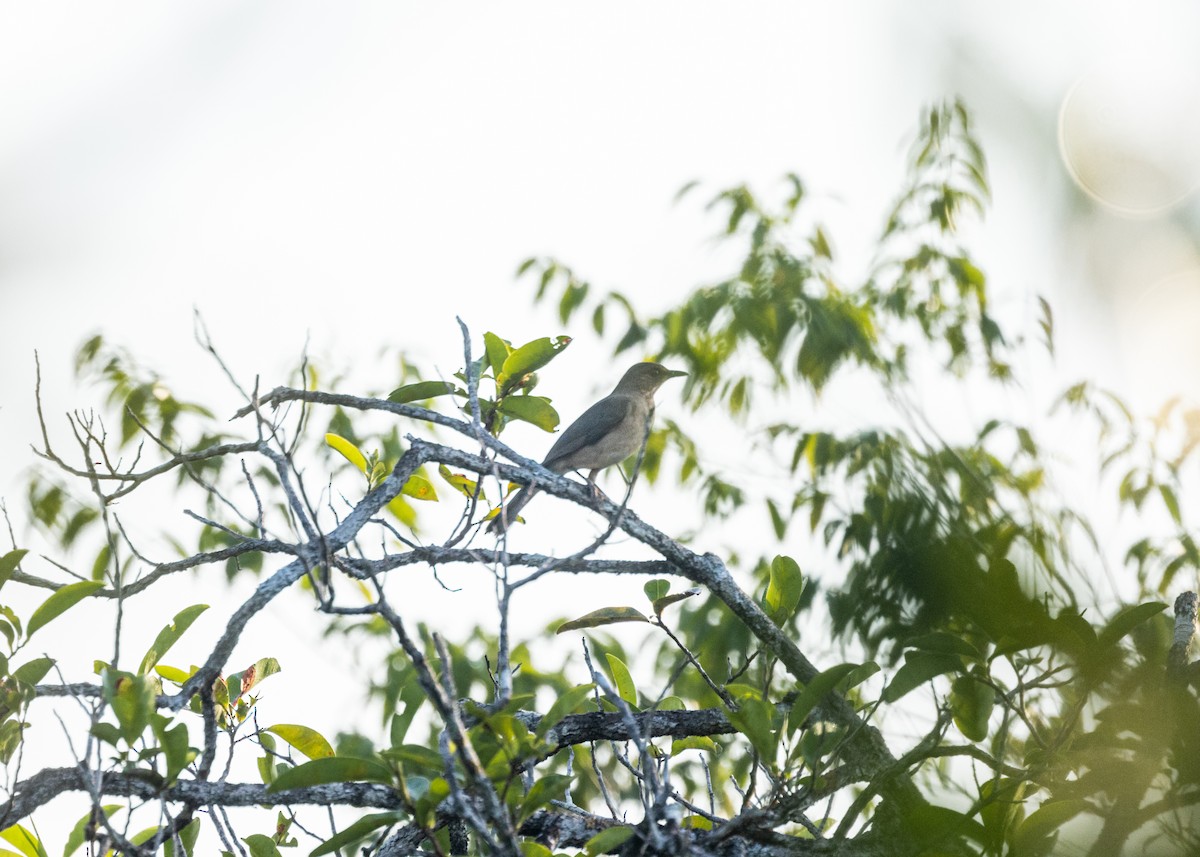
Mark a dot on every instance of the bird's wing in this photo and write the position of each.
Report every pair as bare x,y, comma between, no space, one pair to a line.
591,427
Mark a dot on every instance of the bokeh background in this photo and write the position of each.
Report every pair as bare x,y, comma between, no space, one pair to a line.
348,178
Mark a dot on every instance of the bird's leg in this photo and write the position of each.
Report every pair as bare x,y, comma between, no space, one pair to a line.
597,494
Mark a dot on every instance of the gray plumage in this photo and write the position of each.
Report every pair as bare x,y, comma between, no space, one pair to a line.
605,434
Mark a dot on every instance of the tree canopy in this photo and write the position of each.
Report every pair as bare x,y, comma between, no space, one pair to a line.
925,662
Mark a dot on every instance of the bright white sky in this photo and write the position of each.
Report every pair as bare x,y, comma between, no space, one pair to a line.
358,174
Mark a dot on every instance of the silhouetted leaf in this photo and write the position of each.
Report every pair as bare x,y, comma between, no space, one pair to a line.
919,667
1043,822
971,704
1127,619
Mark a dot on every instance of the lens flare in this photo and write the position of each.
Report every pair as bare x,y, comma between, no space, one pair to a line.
1129,131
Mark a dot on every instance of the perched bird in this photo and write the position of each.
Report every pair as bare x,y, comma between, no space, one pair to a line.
605,434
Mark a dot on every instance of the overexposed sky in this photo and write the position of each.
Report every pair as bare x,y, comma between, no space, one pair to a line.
356,175
360,174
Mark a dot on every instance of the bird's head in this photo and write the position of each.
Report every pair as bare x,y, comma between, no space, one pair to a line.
646,378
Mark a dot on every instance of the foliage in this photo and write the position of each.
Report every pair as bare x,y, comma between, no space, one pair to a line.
957,581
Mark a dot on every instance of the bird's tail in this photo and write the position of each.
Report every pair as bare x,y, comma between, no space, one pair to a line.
510,510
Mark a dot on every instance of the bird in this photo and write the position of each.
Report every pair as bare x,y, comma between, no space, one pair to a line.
605,434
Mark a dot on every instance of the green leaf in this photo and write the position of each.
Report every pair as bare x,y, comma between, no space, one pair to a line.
656,588
404,512
1043,822
603,616
693,742
607,840
626,689
919,667
174,674
1128,619
943,642
411,696
9,563
938,824
531,356
11,734
24,841
755,719
777,520
357,831
106,732
533,848
348,450
462,484
661,604
187,837
820,244
308,741
497,352
267,768
971,704
1171,502
419,488
261,845
815,691
549,787
169,635
423,390
101,563
132,698
80,829
33,671
531,409
58,603
247,679
175,750
784,590
565,704
336,769
417,756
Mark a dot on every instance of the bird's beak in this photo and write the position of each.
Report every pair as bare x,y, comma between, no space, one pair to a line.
675,373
